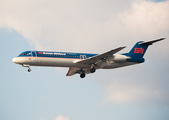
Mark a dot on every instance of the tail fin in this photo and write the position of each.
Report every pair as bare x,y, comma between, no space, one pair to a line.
140,48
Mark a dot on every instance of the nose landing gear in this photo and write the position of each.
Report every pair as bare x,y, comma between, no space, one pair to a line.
24,65
29,69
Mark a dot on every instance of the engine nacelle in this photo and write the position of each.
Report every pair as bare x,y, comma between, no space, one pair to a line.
120,58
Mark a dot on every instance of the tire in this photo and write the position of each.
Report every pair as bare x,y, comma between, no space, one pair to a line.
92,70
82,75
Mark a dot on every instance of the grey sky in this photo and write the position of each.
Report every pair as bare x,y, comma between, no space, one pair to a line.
135,92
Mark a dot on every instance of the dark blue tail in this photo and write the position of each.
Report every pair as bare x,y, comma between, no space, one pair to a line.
137,52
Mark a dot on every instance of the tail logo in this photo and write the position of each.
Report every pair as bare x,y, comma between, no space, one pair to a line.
139,50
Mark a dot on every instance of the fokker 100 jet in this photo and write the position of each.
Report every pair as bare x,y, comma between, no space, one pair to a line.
84,63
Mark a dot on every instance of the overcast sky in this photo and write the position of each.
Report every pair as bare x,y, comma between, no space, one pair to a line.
95,26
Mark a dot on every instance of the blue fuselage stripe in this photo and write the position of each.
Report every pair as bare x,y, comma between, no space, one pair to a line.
46,54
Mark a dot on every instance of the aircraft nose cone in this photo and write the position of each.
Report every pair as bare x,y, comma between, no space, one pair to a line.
15,60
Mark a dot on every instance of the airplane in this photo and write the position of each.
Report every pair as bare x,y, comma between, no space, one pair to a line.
85,63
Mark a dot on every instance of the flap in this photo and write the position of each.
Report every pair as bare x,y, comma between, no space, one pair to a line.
72,71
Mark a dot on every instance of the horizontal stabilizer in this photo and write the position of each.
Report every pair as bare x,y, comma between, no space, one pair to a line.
151,42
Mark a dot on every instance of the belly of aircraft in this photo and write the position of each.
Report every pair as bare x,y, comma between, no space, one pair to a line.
59,62
117,65
55,62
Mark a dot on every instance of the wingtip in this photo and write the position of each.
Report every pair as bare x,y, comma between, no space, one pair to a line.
123,47
162,38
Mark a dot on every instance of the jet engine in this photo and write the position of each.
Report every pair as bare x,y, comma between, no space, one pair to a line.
120,58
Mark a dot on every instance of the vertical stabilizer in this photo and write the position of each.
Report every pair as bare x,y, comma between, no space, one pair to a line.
140,48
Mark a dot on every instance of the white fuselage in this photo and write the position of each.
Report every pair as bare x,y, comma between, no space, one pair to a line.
84,63
67,62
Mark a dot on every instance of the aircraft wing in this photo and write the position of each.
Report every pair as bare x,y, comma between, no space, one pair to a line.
101,56
74,70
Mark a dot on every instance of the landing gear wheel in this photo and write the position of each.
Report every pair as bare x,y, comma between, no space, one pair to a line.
29,70
82,75
92,70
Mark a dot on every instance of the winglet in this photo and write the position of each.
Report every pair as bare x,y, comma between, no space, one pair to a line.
151,42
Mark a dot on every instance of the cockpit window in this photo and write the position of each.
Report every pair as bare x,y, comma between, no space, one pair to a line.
25,54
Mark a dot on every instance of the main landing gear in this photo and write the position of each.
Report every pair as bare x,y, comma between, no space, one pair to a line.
93,70
82,75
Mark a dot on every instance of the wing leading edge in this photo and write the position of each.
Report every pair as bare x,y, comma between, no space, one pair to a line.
101,56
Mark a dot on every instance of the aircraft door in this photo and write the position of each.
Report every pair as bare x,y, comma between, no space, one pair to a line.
34,56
